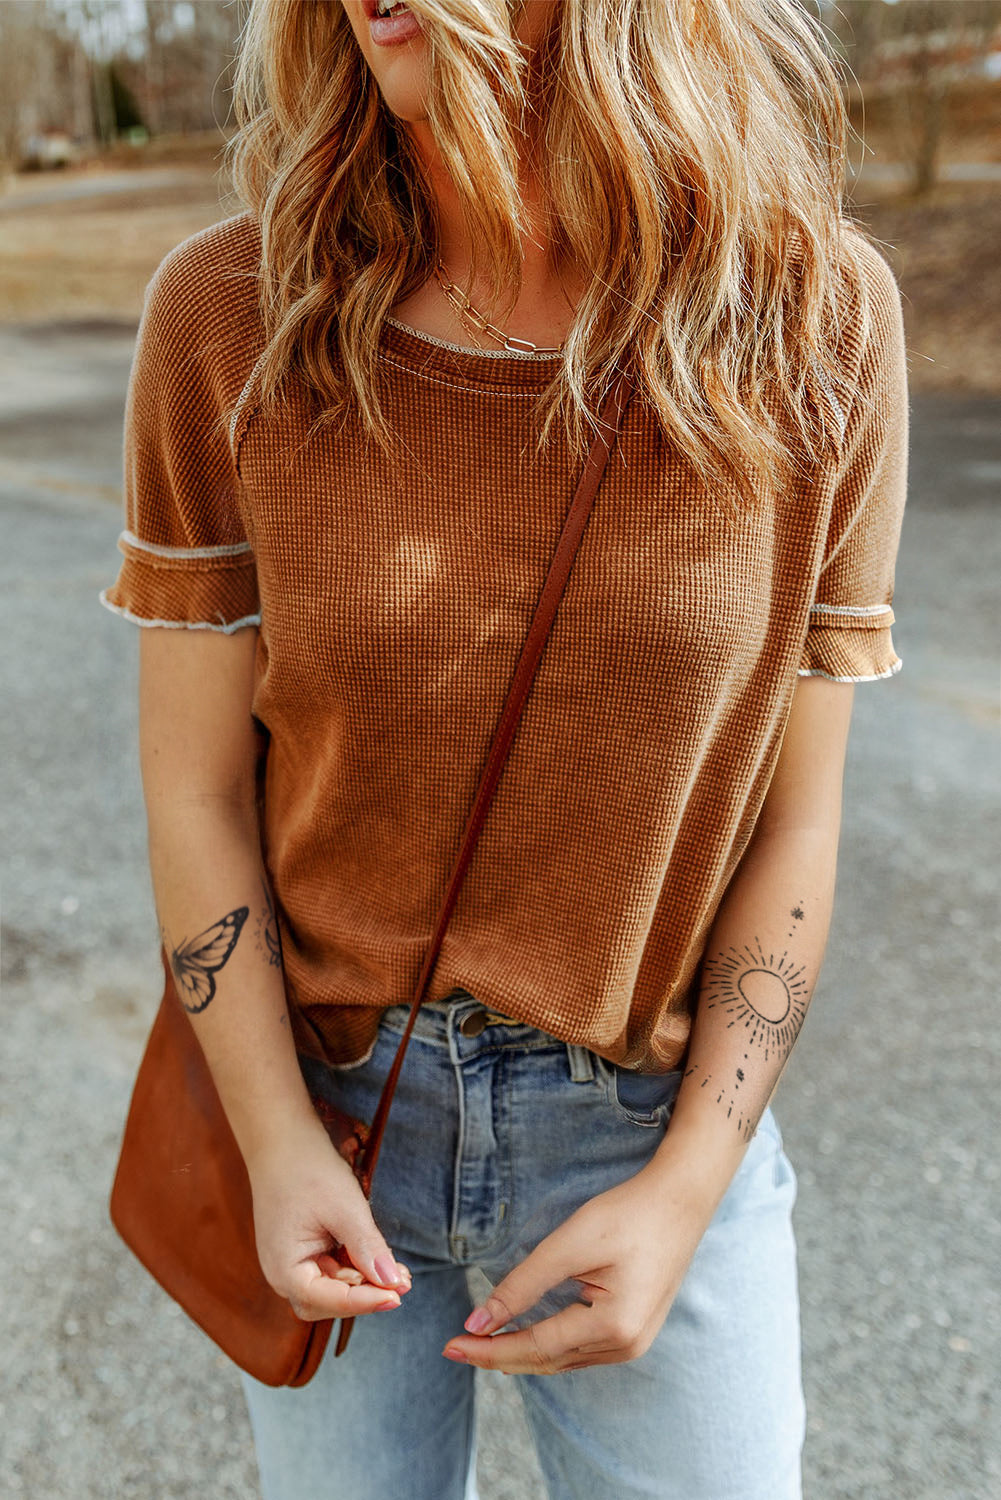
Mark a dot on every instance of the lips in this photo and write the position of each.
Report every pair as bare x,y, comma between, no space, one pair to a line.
389,30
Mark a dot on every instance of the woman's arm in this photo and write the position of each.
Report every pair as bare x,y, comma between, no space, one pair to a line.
762,962
197,753
764,952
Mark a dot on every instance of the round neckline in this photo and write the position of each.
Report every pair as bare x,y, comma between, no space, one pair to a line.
432,338
436,358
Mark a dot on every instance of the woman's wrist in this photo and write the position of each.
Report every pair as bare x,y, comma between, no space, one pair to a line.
260,1086
269,1127
696,1161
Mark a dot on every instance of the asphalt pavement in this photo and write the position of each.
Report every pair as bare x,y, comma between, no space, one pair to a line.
887,1106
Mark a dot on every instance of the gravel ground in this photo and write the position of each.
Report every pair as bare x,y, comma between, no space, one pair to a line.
887,1106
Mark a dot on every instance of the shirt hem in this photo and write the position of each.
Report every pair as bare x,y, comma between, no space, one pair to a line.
870,677
224,629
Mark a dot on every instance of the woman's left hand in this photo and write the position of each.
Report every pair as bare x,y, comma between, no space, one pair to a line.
629,1249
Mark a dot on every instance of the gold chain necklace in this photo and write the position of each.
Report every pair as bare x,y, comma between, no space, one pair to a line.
466,310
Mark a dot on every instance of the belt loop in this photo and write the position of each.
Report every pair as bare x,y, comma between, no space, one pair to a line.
581,1063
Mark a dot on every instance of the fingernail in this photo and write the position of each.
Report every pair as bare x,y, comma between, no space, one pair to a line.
456,1356
385,1306
387,1270
478,1319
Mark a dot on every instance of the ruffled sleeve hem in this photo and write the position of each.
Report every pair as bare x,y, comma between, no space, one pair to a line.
198,588
850,644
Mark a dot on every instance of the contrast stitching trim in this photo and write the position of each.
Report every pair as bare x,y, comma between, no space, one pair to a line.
872,677
824,379
473,390
232,549
126,614
477,353
858,611
238,410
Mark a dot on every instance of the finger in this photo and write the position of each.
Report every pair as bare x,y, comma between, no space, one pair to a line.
350,1273
556,1259
568,1340
313,1296
364,1248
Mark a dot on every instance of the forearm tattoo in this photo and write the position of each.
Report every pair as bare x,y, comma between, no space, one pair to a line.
765,996
268,938
195,964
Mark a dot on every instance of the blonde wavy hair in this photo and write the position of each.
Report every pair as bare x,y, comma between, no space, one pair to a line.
692,156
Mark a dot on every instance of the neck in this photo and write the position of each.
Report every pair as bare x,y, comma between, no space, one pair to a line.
456,248
544,308
545,284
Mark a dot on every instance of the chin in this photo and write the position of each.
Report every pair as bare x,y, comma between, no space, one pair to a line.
400,71
407,103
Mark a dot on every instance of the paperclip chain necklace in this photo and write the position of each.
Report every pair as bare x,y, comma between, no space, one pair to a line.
466,310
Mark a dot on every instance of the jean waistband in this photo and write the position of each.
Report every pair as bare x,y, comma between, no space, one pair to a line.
440,1021
447,1002
458,997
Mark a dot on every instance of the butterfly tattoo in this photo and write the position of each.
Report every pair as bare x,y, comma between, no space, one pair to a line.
194,964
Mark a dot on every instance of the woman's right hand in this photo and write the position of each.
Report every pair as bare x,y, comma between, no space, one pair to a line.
306,1201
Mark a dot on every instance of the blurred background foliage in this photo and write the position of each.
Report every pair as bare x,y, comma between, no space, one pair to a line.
113,114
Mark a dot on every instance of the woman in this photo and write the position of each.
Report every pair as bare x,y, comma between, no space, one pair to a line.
463,220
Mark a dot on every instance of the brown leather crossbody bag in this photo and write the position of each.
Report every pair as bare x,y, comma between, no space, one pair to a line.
181,1198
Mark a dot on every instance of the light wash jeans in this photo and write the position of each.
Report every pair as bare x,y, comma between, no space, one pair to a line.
492,1141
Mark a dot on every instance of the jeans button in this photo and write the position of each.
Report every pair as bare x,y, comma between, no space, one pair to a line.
474,1023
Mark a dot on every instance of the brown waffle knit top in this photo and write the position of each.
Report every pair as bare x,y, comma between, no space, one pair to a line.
391,599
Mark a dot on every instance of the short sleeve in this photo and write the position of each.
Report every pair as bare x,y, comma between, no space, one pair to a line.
187,559
849,633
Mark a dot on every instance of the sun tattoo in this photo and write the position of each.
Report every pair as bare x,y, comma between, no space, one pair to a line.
767,993
747,1118
765,997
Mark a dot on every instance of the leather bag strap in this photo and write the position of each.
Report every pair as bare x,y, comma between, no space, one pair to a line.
613,407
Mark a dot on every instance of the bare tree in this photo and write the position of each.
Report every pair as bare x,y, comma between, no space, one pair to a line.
158,17
914,54
44,78
943,36
183,76
20,44
59,60
858,28
101,21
